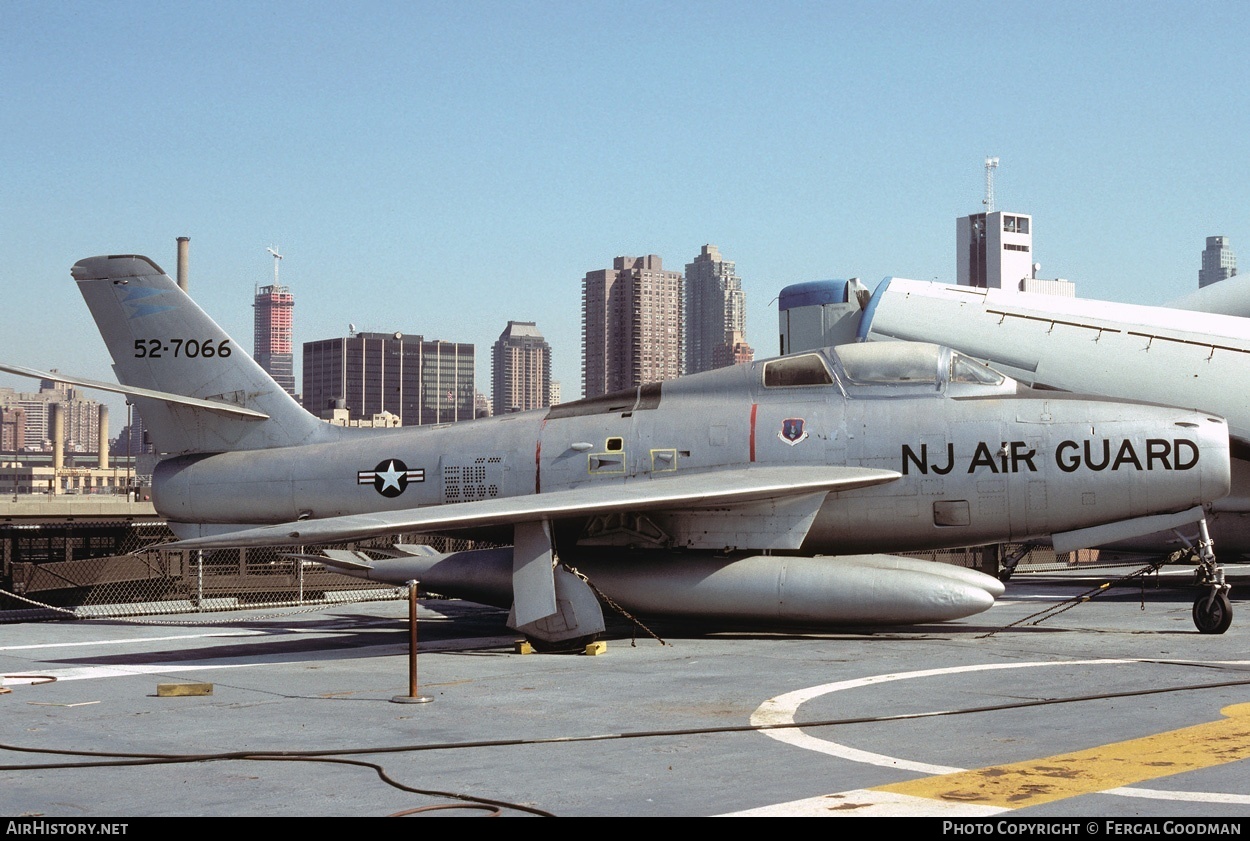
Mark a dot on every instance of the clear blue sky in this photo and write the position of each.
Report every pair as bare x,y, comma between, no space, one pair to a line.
441,168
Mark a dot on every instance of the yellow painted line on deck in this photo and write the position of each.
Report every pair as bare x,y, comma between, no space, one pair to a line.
1038,781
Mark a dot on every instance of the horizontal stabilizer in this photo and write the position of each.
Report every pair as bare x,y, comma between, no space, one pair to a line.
135,391
713,489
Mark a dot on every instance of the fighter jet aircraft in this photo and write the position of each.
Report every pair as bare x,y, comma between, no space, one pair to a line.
1188,354
717,495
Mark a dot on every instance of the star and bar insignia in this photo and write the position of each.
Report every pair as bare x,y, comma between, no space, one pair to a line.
390,477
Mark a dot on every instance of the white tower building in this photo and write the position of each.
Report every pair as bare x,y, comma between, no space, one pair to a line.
994,250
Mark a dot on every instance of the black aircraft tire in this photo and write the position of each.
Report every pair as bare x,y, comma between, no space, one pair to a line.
1213,619
576,645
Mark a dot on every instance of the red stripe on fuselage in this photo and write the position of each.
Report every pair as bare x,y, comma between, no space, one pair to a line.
754,406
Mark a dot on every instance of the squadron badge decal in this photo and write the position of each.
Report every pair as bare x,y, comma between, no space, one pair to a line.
390,477
792,431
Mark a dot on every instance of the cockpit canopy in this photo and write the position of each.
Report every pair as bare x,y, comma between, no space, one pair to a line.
886,369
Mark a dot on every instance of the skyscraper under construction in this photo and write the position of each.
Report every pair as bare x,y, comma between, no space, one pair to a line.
274,308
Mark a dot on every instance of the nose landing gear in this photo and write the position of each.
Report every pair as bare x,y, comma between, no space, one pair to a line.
1213,612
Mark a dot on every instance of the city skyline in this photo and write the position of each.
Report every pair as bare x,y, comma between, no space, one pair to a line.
471,182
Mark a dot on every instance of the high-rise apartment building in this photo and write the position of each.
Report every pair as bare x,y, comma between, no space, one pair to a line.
1218,262
80,417
520,369
422,381
715,314
631,325
12,430
274,307
994,250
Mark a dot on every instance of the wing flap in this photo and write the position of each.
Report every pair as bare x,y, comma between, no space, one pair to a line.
712,489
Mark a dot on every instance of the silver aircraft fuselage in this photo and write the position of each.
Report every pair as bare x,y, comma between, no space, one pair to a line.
979,459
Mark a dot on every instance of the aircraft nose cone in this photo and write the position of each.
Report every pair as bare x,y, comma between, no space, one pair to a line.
1146,461
1187,461
1214,456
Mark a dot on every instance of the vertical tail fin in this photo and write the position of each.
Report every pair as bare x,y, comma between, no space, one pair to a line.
160,339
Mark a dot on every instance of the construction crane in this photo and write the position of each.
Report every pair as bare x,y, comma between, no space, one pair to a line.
276,259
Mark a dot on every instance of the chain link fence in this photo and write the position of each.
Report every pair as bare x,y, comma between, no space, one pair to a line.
102,570
1045,559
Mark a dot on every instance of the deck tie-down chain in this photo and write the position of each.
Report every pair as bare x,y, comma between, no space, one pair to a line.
1089,595
603,597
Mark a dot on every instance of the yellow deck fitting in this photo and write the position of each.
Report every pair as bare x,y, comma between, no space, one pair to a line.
169,690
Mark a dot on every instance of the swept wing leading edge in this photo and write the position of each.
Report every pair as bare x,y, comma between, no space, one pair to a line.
722,488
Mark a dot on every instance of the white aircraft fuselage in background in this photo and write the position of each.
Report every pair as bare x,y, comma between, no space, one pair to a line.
1165,355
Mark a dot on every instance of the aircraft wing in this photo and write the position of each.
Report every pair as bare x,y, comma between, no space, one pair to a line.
135,391
730,488
1156,354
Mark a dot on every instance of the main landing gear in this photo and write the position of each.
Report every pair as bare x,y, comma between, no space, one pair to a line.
1213,612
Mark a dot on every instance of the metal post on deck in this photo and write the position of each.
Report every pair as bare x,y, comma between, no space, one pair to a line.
413,697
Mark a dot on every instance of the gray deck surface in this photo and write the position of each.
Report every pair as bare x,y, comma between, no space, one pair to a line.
675,719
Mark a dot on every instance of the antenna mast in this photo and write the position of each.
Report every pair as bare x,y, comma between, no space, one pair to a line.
991,164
